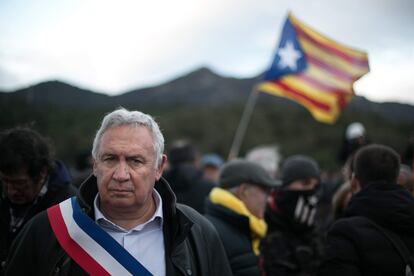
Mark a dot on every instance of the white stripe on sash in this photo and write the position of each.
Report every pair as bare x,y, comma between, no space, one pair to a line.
95,250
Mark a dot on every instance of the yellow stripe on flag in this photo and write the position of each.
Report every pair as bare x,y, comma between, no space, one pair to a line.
325,40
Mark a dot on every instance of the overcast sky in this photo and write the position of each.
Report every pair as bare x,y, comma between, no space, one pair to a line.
115,46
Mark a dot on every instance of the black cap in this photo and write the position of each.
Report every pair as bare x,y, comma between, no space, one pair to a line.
237,172
298,167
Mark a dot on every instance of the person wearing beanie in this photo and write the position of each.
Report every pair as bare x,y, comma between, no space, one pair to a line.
292,245
236,208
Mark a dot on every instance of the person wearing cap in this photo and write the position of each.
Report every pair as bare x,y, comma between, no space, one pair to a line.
292,245
354,138
236,208
210,165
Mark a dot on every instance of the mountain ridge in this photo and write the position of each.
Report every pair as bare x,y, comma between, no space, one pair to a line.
206,108
200,87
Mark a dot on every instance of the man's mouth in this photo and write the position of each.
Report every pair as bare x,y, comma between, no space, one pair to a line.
120,191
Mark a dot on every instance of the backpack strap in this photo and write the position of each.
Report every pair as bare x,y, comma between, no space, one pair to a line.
397,244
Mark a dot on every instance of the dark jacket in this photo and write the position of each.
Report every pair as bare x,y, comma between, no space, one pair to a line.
192,246
288,249
59,189
189,186
356,247
234,231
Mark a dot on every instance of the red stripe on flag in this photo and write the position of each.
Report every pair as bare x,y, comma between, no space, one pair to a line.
322,86
80,256
330,69
331,49
299,94
339,93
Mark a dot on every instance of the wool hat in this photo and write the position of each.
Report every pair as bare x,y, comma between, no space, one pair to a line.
299,167
240,171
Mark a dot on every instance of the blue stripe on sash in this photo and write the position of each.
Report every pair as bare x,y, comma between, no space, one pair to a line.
107,242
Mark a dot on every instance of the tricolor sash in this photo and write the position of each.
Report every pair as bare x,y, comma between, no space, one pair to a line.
89,245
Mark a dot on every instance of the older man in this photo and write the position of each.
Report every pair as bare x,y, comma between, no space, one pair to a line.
236,208
125,219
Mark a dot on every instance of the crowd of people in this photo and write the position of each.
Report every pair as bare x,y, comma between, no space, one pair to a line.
141,210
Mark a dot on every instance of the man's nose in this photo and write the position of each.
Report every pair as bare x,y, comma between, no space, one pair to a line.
121,172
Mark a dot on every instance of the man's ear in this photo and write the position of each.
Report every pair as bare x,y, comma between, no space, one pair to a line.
240,191
355,186
161,167
43,172
43,175
94,166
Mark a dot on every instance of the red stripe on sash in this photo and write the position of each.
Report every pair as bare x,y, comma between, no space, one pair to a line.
74,251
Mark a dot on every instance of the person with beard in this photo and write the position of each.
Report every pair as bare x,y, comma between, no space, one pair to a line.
292,245
31,181
379,215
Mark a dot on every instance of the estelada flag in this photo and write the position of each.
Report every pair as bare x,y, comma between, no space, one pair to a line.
314,70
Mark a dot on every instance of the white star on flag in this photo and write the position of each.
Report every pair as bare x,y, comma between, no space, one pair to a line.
288,56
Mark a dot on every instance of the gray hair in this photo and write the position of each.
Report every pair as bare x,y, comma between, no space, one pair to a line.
122,117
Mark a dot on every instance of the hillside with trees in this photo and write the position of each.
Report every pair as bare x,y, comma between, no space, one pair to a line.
206,108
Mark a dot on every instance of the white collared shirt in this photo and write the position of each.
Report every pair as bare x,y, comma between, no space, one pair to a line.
145,242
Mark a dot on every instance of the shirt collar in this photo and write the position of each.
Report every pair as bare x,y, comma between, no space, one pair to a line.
157,218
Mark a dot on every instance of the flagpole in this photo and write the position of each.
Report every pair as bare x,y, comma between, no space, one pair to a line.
244,121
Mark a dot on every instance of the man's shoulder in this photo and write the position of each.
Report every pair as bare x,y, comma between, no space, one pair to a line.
39,221
36,228
352,228
194,216
354,221
200,224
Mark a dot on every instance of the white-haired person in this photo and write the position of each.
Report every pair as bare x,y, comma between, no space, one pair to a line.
125,219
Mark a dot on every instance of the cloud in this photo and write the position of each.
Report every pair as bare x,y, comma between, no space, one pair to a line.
390,78
115,46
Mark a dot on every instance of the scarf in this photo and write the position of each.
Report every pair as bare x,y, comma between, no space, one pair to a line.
258,227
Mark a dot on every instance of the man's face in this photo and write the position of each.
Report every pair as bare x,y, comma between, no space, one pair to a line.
125,168
20,188
254,198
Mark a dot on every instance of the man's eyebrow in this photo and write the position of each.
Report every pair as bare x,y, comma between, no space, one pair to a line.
106,154
132,156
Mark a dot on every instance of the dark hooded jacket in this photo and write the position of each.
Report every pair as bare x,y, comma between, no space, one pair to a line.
356,247
288,249
192,246
189,186
58,189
